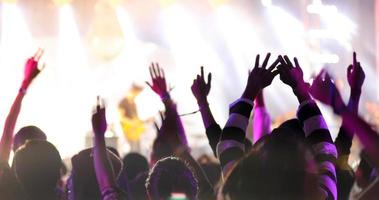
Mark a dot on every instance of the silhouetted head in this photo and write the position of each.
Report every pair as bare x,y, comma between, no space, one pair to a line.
37,165
114,151
291,128
83,183
282,168
27,133
171,175
161,149
134,164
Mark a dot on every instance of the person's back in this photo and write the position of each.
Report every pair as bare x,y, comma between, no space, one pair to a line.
282,168
37,166
169,176
82,184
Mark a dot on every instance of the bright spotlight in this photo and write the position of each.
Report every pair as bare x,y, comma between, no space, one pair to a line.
16,46
338,26
240,37
16,40
69,74
190,50
62,2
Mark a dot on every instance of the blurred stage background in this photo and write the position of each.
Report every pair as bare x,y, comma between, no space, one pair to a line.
104,47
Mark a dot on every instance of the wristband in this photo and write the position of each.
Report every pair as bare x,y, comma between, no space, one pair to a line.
165,97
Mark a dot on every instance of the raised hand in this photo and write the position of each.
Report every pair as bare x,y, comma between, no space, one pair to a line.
31,69
293,77
158,80
260,77
355,74
324,90
99,121
200,88
289,74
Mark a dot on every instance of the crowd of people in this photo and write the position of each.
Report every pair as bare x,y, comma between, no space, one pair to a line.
298,160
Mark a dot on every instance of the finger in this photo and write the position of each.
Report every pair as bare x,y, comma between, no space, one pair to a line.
159,72
155,70
163,74
296,62
36,54
151,71
41,51
282,61
209,80
156,127
98,106
264,64
327,77
289,63
202,72
256,61
161,115
354,58
149,84
349,69
43,66
273,65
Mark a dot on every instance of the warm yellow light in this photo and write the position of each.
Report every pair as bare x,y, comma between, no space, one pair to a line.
9,1
167,2
62,2
114,2
218,2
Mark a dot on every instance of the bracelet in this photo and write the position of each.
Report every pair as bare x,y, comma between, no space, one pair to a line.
165,97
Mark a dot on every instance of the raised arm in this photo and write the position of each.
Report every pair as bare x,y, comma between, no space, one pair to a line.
103,168
355,77
173,134
30,72
324,89
231,146
314,126
345,173
200,90
261,118
170,132
159,86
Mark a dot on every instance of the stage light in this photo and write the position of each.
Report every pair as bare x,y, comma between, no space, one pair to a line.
115,3
69,40
240,37
15,33
9,1
190,50
266,3
337,25
144,100
69,72
62,2
16,45
218,2
167,2
106,39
